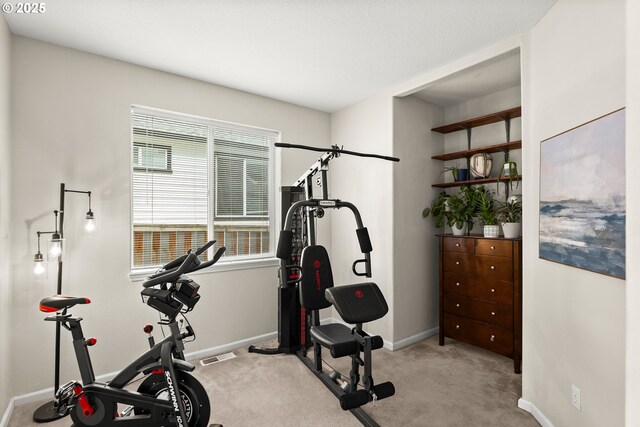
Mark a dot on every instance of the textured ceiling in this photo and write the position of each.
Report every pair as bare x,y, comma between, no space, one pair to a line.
482,79
323,54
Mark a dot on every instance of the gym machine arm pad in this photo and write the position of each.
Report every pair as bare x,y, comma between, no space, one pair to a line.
363,239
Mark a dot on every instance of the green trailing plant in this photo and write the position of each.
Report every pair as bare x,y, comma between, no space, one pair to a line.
513,174
459,212
438,209
510,211
486,209
463,208
456,209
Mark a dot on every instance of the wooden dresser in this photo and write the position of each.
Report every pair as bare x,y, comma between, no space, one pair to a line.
481,293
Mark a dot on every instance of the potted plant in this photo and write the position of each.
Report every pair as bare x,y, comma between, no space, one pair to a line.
458,210
457,173
509,214
460,215
487,214
438,209
509,170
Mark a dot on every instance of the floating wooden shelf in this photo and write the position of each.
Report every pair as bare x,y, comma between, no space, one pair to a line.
476,182
486,149
480,121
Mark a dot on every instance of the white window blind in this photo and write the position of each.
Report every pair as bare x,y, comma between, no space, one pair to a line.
196,179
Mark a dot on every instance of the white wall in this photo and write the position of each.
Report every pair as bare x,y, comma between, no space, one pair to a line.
71,123
633,219
5,225
574,320
367,183
415,255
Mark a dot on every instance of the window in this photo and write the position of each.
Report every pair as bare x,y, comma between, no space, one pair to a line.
152,157
193,178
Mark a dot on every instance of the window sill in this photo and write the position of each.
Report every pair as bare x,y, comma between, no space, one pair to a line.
140,275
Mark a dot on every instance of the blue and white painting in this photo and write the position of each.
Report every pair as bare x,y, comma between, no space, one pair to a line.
582,196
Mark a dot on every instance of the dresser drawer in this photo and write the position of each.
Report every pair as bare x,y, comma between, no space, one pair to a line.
503,248
490,290
493,268
483,311
458,262
456,244
459,328
493,338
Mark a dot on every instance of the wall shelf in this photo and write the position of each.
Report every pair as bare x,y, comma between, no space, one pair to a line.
486,149
480,121
504,179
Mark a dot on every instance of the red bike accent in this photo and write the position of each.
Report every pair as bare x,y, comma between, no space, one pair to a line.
90,342
158,371
87,409
46,309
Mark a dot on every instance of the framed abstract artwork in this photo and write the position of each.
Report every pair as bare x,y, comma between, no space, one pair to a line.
582,196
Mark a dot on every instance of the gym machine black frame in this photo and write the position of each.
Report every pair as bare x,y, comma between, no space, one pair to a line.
300,215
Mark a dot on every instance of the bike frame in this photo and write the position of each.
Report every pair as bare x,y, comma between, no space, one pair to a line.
164,357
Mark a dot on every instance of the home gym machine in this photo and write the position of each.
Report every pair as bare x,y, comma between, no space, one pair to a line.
163,368
306,286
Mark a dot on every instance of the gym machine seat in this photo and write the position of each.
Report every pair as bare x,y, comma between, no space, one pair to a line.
356,304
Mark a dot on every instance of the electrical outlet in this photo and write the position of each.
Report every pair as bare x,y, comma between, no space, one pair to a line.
575,396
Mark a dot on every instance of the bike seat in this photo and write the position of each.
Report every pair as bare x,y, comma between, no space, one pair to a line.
60,302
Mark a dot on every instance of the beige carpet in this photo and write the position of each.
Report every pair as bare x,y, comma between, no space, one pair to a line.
454,385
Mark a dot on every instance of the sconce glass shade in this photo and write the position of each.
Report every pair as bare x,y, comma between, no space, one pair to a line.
56,246
89,225
39,266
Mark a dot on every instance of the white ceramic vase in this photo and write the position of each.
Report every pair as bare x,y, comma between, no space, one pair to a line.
491,231
511,230
459,231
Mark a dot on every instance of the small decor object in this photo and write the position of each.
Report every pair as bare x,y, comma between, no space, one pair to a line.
463,174
481,165
582,196
510,171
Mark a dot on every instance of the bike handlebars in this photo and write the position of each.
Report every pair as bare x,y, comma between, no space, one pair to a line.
183,264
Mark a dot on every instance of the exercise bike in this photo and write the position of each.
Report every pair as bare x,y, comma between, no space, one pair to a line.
168,395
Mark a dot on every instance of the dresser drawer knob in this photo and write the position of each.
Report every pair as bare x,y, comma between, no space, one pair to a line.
493,247
493,267
457,326
493,290
493,338
457,283
457,245
457,262
457,305
493,313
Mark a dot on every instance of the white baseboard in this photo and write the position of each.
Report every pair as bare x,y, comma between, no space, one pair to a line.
415,338
7,414
207,352
47,393
533,410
